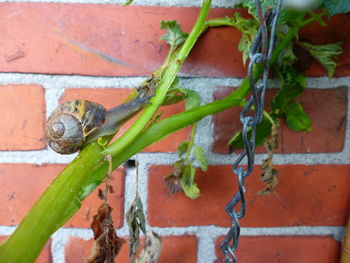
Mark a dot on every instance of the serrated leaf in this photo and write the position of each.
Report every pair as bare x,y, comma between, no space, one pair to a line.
248,28
293,84
188,185
200,157
337,6
325,54
192,99
182,148
287,56
296,118
285,15
175,36
263,130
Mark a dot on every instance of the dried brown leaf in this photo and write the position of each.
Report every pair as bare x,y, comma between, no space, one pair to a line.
107,244
136,221
101,194
173,184
110,189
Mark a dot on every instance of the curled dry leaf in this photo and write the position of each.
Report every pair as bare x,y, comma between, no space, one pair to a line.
270,174
152,249
136,221
107,244
172,181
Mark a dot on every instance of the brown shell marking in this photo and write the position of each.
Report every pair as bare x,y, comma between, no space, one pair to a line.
90,114
68,125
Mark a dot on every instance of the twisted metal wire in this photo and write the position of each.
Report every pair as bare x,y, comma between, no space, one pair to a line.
260,53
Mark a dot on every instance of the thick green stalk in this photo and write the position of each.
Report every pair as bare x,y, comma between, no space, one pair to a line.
191,142
164,128
163,87
61,199
45,216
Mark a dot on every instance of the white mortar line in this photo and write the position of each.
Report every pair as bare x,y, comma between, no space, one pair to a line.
50,157
180,3
6,230
60,239
79,81
207,235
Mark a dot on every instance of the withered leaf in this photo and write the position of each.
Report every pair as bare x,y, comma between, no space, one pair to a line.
101,194
269,176
110,189
152,249
172,183
107,244
136,221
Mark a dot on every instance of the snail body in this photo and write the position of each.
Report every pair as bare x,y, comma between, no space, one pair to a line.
78,122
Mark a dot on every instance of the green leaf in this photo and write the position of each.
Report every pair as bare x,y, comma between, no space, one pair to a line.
182,148
188,185
248,28
325,54
286,14
200,157
128,2
263,130
293,84
192,99
287,56
337,6
296,117
175,36
175,93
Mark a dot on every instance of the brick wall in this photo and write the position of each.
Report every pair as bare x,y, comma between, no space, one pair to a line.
52,52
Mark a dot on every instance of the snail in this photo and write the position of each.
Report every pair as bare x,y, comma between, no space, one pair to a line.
76,123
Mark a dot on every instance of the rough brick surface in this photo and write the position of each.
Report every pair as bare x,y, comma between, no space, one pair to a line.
22,184
23,117
326,107
278,249
112,42
306,195
109,98
174,250
45,254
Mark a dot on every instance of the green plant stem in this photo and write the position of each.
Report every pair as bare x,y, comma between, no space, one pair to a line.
190,144
163,87
62,198
43,219
165,127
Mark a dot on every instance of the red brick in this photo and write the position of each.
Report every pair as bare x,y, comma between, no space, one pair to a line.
320,35
45,254
110,97
23,117
306,195
22,184
286,249
108,40
328,123
174,250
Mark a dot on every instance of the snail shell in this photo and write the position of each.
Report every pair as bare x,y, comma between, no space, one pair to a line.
71,122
